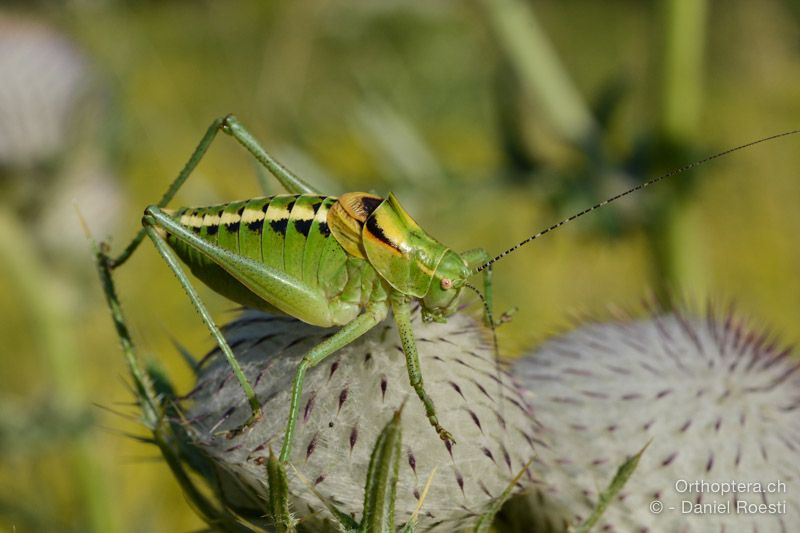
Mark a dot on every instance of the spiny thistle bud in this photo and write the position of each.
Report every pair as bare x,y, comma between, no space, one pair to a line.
346,402
718,402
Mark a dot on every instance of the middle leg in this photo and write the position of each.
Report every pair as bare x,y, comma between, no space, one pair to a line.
350,332
402,317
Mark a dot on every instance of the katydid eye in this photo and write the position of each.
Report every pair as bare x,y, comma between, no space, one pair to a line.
447,283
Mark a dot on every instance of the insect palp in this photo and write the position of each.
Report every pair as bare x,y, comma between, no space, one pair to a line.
446,283
488,310
639,187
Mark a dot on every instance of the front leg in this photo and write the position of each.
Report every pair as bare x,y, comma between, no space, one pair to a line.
402,317
350,332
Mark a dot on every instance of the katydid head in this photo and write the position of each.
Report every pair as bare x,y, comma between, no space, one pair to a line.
442,297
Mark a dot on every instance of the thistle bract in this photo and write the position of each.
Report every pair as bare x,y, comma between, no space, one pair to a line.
718,402
346,402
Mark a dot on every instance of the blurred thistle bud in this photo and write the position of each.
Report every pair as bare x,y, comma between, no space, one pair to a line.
45,78
718,402
53,109
347,400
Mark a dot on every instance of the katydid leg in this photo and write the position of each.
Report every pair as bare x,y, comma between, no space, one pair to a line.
372,315
402,317
231,126
172,261
187,169
290,181
273,286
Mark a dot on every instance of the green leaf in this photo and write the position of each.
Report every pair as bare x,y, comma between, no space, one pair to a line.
606,497
346,522
486,519
381,488
187,356
526,46
412,522
279,494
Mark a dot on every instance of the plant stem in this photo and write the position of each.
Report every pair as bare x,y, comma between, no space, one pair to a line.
543,77
677,251
61,359
682,68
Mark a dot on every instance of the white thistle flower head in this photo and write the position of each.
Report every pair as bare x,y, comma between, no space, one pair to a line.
52,107
718,402
346,402
44,79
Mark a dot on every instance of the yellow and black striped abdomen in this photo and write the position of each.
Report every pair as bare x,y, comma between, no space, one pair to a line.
288,233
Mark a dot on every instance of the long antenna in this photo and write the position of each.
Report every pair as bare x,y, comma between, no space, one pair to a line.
634,189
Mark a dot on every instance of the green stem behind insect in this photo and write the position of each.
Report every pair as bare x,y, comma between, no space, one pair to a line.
676,250
542,74
56,343
684,24
152,404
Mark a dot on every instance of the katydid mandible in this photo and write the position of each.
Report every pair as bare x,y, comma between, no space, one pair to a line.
325,260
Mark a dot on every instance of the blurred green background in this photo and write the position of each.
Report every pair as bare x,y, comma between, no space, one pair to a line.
489,118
